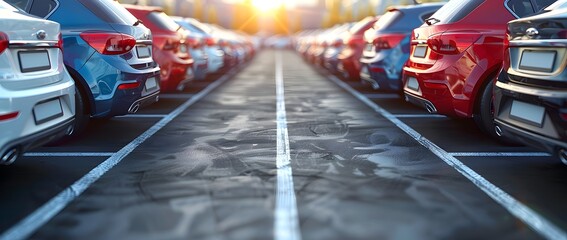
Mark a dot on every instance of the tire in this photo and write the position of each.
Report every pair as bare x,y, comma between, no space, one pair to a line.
484,115
82,118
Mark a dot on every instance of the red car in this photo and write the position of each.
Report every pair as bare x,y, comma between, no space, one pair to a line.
170,50
349,58
457,54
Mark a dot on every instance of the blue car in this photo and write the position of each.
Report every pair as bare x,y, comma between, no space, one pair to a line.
388,45
108,53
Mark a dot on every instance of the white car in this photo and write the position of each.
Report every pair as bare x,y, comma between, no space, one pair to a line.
37,94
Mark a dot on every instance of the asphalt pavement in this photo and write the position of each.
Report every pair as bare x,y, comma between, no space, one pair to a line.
243,156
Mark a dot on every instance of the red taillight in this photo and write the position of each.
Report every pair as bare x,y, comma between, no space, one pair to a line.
109,43
60,41
337,43
388,41
452,43
171,45
563,115
210,41
4,41
9,116
126,86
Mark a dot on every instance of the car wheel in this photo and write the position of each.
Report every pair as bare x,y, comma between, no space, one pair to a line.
484,115
82,119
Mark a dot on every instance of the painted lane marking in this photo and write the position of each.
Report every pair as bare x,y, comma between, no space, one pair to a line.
537,222
143,116
68,154
286,224
419,116
27,226
176,96
499,154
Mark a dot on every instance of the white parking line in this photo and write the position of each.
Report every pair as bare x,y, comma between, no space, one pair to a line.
176,95
42,215
499,154
531,218
286,224
143,116
419,116
68,154
382,96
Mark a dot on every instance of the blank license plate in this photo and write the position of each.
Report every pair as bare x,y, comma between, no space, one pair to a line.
528,112
31,61
143,52
538,60
151,83
47,111
419,51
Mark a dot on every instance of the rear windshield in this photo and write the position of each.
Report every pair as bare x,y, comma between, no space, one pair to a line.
388,19
456,10
360,25
163,21
110,11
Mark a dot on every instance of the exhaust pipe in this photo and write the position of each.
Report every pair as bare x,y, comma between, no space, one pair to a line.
10,156
562,154
134,108
498,130
430,108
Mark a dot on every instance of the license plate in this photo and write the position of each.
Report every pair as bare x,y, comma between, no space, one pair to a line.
151,83
143,52
183,48
412,84
369,47
527,112
538,60
47,111
31,61
420,51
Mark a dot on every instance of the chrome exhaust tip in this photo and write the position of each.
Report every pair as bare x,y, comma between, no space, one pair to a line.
498,130
562,154
430,108
134,108
10,156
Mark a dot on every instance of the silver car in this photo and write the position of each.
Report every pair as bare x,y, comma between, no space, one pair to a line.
37,95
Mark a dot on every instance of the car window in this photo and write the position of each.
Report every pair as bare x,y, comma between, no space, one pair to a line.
541,4
456,10
110,11
163,21
42,8
387,19
21,4
520,8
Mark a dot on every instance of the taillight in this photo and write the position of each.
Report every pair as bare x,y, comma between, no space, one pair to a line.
4,41
388,41
126,86
9,116
60,41
171,45
452,43
337,43
210,41
109,43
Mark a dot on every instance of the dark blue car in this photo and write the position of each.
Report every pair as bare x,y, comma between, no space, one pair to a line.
107,51
388,45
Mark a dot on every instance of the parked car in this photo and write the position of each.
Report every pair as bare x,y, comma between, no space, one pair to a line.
457,54
107,53
37,103
210,44
387,45
170,49
530,96
352,44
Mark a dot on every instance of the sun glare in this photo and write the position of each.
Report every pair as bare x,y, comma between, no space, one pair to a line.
265,5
